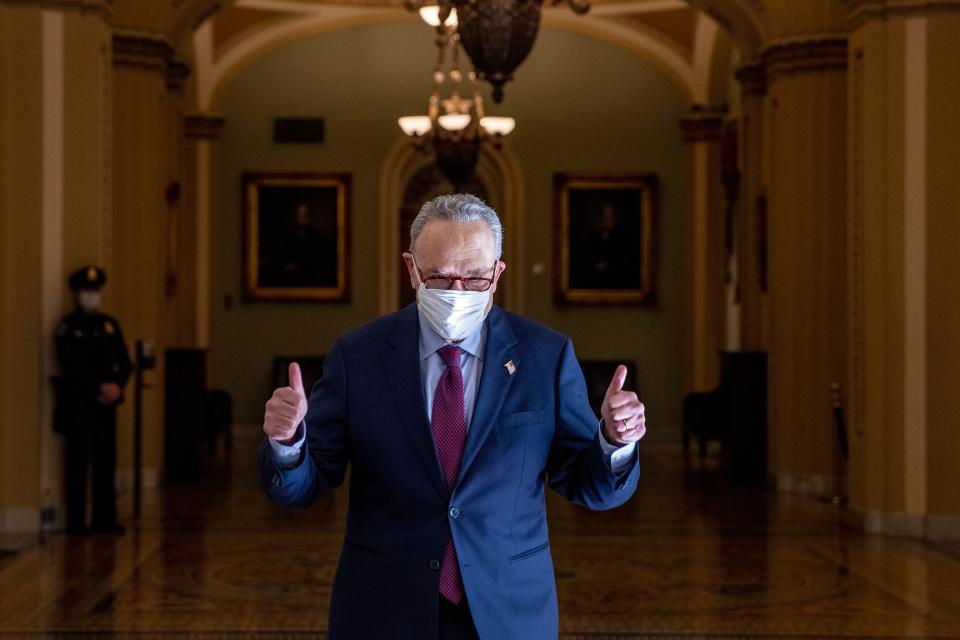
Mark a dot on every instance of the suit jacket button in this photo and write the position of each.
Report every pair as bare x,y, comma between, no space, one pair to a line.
434,564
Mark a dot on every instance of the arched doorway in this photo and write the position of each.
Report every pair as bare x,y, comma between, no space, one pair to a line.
425,184
409,178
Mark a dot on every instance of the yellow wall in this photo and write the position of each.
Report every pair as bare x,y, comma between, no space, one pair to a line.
21,384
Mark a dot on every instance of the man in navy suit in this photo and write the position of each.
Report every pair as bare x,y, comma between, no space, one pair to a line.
453,414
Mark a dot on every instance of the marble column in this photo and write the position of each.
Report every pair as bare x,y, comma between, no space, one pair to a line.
903,234
805,193
148,81
55,215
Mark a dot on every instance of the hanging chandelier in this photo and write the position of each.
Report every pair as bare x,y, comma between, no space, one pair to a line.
455,126
496,34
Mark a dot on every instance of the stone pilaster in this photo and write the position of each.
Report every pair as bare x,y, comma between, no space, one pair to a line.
703,129
750,229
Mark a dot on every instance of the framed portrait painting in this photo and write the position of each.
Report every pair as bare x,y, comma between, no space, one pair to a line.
604,251
296,236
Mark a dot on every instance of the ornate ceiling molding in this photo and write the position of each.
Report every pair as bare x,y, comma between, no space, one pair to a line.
814,54
96,7
861,11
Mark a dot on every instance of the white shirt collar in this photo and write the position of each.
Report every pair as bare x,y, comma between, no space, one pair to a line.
431,341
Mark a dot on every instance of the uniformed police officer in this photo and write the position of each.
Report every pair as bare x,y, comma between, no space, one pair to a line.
94,367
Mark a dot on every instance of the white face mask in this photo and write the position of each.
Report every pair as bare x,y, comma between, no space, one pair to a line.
88,300
453,314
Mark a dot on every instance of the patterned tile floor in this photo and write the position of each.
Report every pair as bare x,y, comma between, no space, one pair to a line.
687,558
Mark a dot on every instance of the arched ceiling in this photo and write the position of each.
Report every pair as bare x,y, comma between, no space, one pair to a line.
672,33
680,40
743,19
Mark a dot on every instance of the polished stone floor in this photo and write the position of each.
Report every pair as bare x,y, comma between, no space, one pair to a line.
688,557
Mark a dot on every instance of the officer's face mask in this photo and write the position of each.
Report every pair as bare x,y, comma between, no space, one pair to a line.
89,300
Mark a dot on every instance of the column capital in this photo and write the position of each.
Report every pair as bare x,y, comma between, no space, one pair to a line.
703,123
151,53
752,77
202,126
805,54
861,11
142,51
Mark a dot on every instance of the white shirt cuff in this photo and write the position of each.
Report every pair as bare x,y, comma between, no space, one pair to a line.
617,457
288,455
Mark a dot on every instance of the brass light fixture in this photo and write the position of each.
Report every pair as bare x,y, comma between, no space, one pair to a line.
496,34
456,126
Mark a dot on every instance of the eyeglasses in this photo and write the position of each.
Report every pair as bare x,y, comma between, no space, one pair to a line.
470,283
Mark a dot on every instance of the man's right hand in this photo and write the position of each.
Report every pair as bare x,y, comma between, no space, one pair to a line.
286,409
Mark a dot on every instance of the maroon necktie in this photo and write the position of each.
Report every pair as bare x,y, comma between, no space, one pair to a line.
450,432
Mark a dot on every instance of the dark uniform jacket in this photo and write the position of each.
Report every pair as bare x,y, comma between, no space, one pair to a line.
91,351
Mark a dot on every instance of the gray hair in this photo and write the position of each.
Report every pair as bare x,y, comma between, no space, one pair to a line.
458,207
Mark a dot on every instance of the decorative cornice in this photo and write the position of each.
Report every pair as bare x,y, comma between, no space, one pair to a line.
804,55
102,8
202,126
752,78
861,11
150,53
703,123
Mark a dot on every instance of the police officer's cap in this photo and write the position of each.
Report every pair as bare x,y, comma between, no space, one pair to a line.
89,277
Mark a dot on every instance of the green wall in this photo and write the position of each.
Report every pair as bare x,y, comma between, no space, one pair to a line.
581,106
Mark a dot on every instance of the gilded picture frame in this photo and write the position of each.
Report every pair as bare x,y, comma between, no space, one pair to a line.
296,236
604,239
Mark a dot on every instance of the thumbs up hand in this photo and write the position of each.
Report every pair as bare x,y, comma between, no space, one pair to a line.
286,408
623,413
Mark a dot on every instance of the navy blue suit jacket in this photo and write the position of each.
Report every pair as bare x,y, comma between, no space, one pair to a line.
528,427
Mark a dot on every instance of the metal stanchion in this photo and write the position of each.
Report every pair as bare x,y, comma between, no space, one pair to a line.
145,361
841,451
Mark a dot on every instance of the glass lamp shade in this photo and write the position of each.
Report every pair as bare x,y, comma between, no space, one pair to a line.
454,121
431,15
415,125
497,125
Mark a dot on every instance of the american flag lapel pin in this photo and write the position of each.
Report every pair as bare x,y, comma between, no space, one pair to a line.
510,367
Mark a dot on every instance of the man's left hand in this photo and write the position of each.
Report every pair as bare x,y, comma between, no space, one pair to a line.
623,413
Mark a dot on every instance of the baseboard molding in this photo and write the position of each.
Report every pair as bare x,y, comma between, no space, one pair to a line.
20,520
933,527
27,519
803,483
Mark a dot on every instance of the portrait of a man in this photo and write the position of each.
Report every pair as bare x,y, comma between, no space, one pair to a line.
296,237
604,239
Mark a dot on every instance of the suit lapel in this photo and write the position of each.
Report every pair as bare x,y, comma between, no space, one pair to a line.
494,383
402,363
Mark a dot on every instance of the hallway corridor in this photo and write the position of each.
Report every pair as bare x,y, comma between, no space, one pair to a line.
687,557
